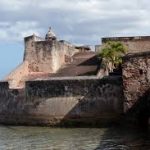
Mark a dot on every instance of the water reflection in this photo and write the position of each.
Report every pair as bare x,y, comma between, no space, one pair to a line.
44,138
125,139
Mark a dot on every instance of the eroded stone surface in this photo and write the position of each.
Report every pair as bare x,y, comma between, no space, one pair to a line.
136,78
53,102
51,57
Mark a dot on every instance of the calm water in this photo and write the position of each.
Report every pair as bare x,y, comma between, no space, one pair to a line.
44,138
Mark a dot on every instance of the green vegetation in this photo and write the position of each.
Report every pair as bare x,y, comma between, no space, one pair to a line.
111,54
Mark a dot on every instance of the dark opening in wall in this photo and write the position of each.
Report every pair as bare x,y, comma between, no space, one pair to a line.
141,72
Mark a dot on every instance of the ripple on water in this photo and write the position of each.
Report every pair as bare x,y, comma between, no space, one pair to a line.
44,138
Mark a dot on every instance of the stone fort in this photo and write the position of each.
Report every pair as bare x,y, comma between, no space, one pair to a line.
59,83
51,57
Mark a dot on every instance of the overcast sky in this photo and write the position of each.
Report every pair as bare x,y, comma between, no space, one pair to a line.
77,21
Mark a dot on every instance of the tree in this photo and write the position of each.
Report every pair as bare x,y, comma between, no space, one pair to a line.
111,54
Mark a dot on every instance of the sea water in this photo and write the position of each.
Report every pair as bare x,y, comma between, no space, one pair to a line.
46,138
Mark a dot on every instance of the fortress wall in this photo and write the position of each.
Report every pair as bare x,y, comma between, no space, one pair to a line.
38,54
50,55
40,57
82,99
69,49
59,101
136,78
43,57
3,87
58,55
134,44
46,56
29,48
60,52
13,106
16,77
5,97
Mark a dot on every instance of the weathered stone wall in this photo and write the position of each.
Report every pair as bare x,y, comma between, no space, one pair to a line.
60,51
86,100
10,100
4,96
13,106
81,99
41,57
134,44
46,56
17,76
136,78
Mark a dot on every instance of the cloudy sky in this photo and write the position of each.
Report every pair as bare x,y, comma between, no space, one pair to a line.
78,21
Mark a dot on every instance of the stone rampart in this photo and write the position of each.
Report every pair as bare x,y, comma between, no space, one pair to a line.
41,56
136,81
17,76
136,77
134,44
46,56
58,101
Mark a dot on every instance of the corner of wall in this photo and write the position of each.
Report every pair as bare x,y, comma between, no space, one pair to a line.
28,46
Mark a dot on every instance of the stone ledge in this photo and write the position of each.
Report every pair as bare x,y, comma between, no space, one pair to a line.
132,38
135,55
109,79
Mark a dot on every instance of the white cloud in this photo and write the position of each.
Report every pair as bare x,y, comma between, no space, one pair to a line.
13,5
16,31
80,21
